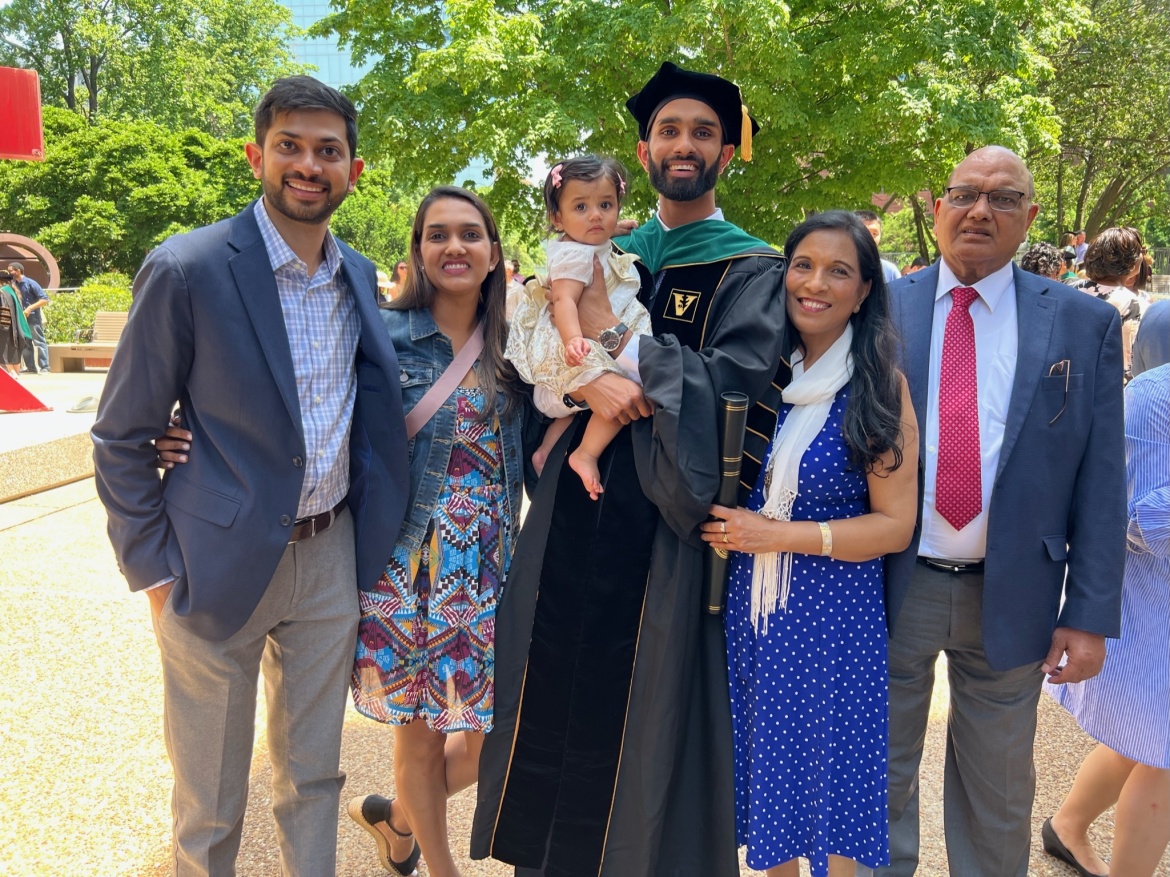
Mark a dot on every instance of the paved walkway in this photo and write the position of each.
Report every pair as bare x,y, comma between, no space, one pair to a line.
86,784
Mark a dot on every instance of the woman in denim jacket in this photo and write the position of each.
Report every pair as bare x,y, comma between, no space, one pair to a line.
426,642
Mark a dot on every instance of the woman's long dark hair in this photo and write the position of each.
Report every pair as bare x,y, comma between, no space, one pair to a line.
873,415
496,375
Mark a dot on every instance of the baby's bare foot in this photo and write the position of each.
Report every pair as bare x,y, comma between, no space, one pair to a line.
586,468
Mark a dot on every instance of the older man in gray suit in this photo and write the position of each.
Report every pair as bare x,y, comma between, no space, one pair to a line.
1015,569
266,330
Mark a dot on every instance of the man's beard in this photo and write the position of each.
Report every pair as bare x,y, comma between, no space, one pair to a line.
298,211
685,189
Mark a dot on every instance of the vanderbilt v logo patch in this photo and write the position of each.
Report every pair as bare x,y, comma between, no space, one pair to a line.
682,304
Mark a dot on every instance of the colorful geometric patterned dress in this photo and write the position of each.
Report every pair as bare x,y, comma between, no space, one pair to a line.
426,640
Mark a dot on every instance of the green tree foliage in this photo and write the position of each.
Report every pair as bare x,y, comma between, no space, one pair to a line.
853,98
1111,90
107,193
375,220
198,63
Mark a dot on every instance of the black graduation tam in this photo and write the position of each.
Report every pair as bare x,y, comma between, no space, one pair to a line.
671,82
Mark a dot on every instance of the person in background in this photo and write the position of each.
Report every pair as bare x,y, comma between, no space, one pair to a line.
1068,272
514,286
1080,246
1044,259
34,299
397,279
1125,707
383,288
1016,380
1115,267
873,224
916,264
15,336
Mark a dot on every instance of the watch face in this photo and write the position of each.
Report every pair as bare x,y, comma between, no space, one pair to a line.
609,339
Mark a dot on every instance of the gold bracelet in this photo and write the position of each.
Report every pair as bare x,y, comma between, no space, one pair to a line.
826,538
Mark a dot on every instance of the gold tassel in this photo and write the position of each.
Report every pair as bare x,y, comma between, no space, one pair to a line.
745,137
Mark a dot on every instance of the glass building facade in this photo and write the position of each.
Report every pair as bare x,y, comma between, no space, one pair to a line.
333,64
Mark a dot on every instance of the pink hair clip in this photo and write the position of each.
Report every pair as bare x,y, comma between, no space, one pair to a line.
621,188
555,176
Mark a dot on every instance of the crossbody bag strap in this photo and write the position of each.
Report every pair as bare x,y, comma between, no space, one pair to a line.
434,398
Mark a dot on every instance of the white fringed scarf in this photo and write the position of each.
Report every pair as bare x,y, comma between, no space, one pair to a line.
811,393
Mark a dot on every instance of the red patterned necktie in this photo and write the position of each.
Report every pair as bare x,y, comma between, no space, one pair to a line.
959,481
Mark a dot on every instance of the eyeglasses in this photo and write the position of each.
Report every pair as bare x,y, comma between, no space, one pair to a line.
1003,200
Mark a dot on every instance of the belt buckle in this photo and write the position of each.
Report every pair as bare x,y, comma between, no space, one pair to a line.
313,521
325,519
952,568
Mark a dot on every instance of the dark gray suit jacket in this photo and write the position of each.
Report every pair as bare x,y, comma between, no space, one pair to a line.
1057,515
206,329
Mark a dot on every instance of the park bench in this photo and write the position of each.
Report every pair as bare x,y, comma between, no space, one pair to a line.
107,329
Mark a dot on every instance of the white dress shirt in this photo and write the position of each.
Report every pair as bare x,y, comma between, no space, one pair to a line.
996,345
546,400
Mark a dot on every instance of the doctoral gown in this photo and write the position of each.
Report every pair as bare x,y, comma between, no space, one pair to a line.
612,750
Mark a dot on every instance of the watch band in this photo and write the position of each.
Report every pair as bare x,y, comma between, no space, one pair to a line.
611,339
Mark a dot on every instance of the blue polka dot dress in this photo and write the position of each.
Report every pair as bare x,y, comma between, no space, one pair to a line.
809,697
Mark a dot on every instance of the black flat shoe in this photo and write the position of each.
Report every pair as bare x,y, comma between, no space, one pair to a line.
366,811
1056,848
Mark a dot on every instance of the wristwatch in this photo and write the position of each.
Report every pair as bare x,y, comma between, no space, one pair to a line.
569,402
609,339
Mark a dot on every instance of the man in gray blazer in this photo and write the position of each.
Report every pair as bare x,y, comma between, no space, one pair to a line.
266,330
1015,568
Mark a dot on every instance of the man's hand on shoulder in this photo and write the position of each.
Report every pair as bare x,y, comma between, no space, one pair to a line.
1085,656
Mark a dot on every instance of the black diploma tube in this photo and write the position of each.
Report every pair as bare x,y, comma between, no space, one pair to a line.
732,426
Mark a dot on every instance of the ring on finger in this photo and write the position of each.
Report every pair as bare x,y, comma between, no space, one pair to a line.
723,526
725,537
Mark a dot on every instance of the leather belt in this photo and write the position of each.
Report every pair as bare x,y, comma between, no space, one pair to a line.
307,528
957,567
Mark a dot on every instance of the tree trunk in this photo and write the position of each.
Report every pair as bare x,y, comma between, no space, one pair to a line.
1083,195
95,64
1060,229
921,230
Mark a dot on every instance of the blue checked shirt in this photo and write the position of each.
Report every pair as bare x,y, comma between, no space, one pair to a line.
323,327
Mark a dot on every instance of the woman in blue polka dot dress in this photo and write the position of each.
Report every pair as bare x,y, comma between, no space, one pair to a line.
806,634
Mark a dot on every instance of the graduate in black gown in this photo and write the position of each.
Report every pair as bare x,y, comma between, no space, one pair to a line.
611,753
